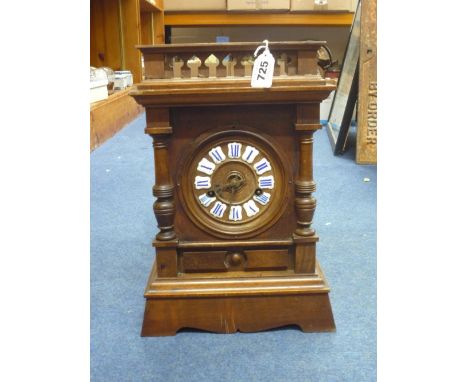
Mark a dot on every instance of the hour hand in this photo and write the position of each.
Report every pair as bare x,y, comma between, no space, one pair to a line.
218,188
237,184
232,186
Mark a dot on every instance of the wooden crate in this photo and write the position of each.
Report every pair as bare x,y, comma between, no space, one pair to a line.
366,142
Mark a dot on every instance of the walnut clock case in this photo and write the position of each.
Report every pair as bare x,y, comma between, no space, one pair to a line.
234,183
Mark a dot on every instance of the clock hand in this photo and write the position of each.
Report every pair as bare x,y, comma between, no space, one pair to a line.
232,186
235,184
217,188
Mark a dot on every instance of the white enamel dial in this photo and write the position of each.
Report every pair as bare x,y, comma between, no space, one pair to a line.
232,178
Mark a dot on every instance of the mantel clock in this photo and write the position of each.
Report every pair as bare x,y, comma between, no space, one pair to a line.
233,167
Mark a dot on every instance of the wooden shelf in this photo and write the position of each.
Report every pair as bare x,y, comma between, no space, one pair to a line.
118,26
110,115
151,6
181,19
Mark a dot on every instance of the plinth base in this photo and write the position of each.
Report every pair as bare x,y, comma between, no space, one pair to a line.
245,304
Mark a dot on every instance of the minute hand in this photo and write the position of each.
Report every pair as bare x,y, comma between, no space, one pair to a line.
231,186
234,185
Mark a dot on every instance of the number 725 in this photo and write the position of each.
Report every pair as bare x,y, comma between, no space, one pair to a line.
262,69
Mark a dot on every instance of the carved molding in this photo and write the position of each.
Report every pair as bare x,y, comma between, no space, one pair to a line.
307,126
158,130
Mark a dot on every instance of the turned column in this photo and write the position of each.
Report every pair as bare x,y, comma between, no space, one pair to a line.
305,202
307,122
163,189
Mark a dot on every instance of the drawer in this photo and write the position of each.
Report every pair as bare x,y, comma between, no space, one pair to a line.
273,259
204,261
242,260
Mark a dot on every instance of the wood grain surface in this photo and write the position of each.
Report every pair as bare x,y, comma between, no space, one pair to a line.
366,142
107,117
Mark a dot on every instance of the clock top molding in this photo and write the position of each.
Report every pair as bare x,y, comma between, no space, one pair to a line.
199,74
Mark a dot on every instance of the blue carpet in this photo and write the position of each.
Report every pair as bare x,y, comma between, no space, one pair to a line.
122,227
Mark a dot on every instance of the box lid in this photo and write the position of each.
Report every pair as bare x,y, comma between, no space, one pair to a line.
98,83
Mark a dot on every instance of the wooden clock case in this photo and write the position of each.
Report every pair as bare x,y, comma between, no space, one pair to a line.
253,275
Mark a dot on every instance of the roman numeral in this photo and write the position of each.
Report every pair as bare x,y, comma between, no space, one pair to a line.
250,208
206,166
206,200
263,198
202,182
266,181
217,154
262,166
235,213
249,154
218,209
234,150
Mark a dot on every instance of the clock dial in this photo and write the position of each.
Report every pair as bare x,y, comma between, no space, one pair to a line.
234,183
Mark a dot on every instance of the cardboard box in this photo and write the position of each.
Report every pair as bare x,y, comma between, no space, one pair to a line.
123,79
190,5
321,5
98,90
258,5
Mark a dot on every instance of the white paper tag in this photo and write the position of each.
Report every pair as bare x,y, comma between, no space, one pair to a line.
263,69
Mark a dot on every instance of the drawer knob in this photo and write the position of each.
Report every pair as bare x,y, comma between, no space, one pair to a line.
234,259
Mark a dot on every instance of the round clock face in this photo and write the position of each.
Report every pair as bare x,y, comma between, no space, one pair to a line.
234,183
